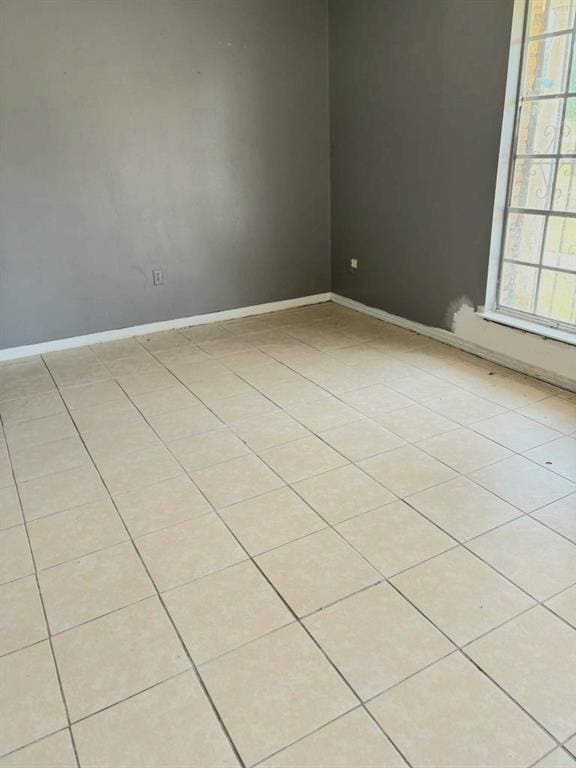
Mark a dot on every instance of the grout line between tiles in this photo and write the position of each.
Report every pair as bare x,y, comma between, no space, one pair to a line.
309,634
44,613
458,543
174,627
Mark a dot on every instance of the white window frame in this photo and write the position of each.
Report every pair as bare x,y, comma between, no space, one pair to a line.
507,138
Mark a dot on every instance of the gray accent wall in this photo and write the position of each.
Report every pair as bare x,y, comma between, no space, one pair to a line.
416,98
186,135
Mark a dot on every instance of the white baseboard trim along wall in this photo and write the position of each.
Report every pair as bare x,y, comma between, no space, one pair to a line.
529,346
561,360
165,325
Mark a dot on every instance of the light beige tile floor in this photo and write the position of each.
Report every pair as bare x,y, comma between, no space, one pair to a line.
304,540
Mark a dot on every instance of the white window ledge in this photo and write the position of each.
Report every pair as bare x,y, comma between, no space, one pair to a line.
546,331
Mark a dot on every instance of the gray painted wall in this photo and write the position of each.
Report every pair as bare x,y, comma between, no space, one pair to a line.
186,135
416,97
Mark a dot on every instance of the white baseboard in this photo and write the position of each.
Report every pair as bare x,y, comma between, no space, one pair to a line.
446,337
165,325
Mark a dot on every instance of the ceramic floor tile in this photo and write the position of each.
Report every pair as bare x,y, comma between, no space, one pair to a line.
6,476
15,558
21,616
175,398
240,362
169,725
517,432
533,658
115,350
201,451
288,393
91,586
55,751
564,605
216,387
268,431
227,609
407,470
26,434
271,520
376,639
348,742
553,412
135,470
161,505
174,425
343,493
153,379
523,483
236,480
465,407
531,555
570,745
89,395
120,440
83,372
361,439
315,571
422,387
154,342
560,516
189,550
461,595
48,458
559,456
224,346
116,656
394,537
237,407
376,401
558,758
302,458
64,490
462,508
208,332
451,715
34,407
298,691
129,365
289,397
464,450
75,532
10,510
104,416
31,704
320,415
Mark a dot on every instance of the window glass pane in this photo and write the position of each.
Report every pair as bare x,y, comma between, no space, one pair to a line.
560,245
569,133
565,193
518,286
557,296
572,81
539,128
532,183
546,65
524,233
550,16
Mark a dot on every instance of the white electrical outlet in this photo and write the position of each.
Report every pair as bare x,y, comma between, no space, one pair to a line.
157,277
353,265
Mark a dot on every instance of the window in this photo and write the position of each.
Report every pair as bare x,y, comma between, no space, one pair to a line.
533,257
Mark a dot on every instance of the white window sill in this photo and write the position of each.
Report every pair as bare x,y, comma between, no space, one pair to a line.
546,331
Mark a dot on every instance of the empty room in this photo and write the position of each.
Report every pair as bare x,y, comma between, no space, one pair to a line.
287,384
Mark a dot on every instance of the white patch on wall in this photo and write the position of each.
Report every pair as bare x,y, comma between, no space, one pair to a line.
528,348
